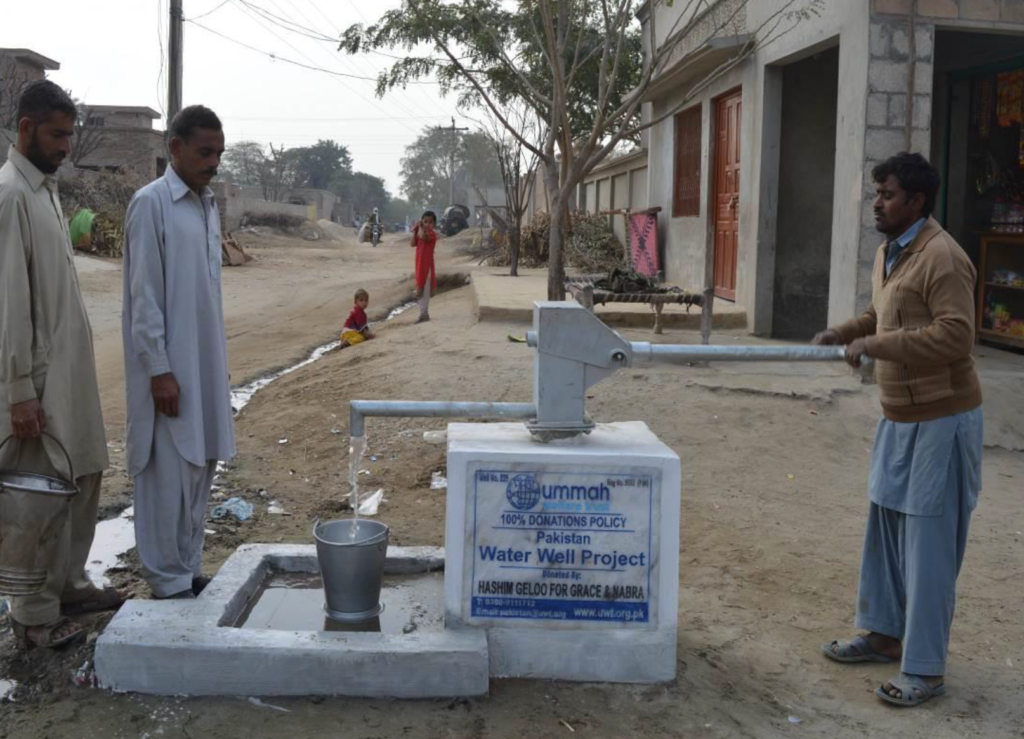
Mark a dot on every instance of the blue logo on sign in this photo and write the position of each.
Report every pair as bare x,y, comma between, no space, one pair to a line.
523,492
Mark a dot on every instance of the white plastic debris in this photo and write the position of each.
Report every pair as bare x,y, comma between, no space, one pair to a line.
257,702
794,719
282,442
276,509
369,505
435,437
438,481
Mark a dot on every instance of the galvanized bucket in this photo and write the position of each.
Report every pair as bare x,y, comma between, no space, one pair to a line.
33,510
352,566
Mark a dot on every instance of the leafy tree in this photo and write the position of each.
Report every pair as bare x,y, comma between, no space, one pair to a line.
319,164
364,191
578,64
245,163
398,209
427,166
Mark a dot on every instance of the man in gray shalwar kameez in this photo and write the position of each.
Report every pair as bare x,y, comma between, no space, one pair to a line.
926,464
179,404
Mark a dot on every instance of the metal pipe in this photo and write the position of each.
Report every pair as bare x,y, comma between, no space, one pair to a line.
360,409
682,353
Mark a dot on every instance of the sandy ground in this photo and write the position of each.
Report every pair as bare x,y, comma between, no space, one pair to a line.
775,463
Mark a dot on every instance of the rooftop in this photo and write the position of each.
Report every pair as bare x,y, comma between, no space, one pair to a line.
31,57
111,109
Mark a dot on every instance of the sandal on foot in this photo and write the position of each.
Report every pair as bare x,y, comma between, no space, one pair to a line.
93,600
857,649
913,691
47,639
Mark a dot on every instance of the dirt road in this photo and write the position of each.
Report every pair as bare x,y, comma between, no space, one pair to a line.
775,464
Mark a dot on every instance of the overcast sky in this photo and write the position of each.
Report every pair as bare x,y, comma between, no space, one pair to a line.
110,54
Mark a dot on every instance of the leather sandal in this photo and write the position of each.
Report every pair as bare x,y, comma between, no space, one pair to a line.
46,639
93,600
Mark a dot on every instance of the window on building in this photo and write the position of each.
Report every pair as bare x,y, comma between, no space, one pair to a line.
95,121
686,179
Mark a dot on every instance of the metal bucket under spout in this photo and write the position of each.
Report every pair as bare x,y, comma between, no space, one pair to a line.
33,510
352,566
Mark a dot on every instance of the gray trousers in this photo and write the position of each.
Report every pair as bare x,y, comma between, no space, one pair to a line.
171,496
908,578
69,551
425,297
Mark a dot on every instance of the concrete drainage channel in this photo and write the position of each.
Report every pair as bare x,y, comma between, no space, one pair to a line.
242,637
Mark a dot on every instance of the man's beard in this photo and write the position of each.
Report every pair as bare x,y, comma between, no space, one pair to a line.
36,156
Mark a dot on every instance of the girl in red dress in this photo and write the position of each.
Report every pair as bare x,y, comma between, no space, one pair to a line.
424,238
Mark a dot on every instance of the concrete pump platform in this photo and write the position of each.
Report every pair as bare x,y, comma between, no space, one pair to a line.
195,647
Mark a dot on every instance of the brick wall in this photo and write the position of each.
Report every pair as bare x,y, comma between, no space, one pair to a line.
888,70
1007,11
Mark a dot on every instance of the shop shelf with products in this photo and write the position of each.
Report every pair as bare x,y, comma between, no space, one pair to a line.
1001,289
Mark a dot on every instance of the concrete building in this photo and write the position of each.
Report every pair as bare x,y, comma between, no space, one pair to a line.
18,68
618,183
768,166
119,136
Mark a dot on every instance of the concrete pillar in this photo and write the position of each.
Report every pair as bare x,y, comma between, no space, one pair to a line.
888,102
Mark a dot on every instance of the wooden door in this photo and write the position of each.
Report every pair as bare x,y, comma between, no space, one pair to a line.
727,193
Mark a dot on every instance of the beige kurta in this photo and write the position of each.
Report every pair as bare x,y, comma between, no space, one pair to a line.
46,347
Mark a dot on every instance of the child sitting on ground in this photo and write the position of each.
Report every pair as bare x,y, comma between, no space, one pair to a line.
357,329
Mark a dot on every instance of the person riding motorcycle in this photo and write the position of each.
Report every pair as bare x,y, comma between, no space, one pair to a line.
376,228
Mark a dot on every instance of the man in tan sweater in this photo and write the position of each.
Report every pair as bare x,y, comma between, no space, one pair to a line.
926,464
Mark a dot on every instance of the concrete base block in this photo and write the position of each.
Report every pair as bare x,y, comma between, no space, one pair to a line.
566,554
192,648
596,656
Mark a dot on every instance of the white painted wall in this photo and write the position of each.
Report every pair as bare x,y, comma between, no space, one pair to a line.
686,238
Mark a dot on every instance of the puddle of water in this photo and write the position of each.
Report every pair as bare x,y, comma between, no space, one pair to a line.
401,309
295,602
114,537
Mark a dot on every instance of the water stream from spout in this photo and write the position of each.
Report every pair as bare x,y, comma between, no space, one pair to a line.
356,449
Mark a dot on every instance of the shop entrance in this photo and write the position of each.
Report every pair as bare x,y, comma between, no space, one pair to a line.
978,145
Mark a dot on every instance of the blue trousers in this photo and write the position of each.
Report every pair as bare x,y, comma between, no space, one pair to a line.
908,577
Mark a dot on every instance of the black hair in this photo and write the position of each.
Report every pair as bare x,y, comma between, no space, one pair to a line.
429,214
43,97
193,117
915,175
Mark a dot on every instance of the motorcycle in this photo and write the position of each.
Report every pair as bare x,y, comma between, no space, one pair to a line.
375,234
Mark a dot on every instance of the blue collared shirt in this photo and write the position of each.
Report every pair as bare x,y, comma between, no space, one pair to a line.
896,246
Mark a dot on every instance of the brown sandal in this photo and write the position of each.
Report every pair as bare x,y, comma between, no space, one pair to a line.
93,600
46,639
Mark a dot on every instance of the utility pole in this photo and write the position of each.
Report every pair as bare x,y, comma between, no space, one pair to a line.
451,160
174,65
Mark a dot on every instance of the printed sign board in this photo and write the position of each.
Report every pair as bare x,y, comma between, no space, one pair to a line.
561,544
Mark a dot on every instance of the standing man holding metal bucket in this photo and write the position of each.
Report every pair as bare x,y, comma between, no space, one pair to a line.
47,367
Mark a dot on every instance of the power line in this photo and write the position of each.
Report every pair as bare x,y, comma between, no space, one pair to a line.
276,57
211,12
324,16
246,4
292,119
243,4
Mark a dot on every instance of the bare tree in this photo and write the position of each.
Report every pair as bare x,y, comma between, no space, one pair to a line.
544,52
518,166
12,82
90,136
280,173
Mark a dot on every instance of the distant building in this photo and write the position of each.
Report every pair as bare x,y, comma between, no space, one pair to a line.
122,136
18,68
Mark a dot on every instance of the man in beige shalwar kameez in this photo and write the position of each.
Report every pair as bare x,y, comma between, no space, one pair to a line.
47,368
